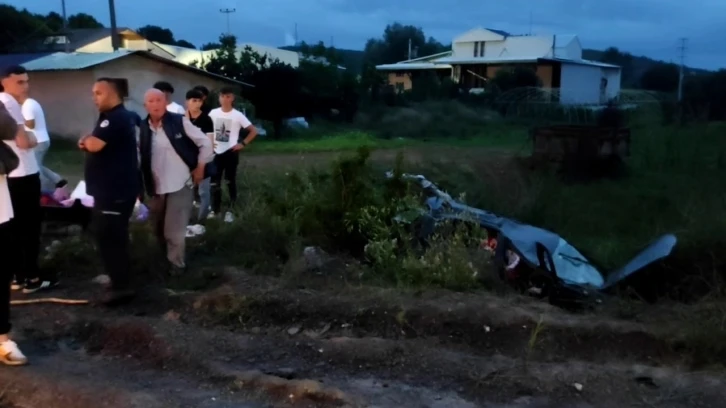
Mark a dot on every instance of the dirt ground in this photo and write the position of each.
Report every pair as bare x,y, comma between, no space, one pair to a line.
313,340
320,339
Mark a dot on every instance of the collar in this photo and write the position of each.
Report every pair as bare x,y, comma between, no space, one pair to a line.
114,109
161,123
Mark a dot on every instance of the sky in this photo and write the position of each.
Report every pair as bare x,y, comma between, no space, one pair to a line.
643,27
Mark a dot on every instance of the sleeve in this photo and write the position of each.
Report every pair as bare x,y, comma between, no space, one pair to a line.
15,111
206,150
207,125
110,126
244,122
28,111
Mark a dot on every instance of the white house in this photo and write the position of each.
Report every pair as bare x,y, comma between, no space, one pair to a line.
478,54
189,55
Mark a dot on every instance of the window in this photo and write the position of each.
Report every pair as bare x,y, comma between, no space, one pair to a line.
479,49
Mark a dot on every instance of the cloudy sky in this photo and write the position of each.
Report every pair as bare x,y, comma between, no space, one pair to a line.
643,27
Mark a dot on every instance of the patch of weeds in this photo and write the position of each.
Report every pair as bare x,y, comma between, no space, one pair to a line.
702,334
226,309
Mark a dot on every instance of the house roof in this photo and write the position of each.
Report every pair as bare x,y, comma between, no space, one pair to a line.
500,32
60,61
427,57
401,66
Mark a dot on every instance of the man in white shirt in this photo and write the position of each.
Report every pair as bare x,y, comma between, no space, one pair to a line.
228,123
168,90
35,122
15,244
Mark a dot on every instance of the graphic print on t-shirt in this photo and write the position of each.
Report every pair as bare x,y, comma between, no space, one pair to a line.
222,129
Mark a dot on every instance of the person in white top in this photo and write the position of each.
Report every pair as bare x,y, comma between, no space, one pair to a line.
35,122
228,123
168,90
14,84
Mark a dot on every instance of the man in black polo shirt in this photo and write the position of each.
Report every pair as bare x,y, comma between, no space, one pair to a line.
112,179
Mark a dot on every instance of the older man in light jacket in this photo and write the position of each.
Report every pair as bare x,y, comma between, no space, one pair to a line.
174,154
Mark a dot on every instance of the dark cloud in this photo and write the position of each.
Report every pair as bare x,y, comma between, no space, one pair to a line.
645,27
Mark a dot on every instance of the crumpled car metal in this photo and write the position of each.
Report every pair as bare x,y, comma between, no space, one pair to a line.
541,248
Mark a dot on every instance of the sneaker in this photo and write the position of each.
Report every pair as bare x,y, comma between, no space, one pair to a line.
211,215
40,284
228,217
17,285
11,355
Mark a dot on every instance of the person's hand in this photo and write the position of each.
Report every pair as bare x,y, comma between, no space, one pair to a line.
198,174
238,147
82,142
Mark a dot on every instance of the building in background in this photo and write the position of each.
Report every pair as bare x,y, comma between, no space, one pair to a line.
478,54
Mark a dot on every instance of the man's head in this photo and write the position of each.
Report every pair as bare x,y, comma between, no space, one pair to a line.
195,99
166,88
106,94
155,103
15,81
203,89
226,97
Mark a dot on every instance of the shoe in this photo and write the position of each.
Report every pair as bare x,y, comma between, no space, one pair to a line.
117,297
17,285
211,215
11,355
40,284
228,217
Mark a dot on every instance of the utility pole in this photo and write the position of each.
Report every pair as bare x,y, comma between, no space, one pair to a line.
682,49
296,40
409,49
227,12
65,28
331,42
114,34
530,22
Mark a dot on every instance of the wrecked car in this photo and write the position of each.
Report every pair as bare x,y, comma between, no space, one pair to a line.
559,270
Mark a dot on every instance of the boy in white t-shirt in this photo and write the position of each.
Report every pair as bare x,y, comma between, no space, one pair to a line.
24,186
228,123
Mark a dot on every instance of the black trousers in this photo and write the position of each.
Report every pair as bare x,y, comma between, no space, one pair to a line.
25,227
226,164
110,224
6,276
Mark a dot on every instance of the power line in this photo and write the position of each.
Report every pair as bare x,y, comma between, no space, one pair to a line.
682,49
227,12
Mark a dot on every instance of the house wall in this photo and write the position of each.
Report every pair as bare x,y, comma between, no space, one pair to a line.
580,84
400,79
544,73
66,100
613,75
142,73
537,47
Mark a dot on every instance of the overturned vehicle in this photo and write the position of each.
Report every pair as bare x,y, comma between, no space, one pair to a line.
555,269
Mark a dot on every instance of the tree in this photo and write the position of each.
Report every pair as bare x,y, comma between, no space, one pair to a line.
20,29
210,46
614,56
394,45
54,21
83,20
162,35
661,78
185,44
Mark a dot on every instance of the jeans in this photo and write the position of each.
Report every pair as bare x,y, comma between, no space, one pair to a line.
25,228
170,214
48,178
110,224
205,198
226,164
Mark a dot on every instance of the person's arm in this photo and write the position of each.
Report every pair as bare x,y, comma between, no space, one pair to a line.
23,139
206,152
250,129
104,132
28,115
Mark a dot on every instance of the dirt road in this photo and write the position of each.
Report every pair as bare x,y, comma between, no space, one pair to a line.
250,341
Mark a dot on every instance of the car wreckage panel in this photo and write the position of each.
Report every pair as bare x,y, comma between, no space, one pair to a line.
570,266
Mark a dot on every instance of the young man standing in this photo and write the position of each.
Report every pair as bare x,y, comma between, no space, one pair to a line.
35,122
200,119
168,90
13,135
205,102
174,154
228,124
24,186
112,178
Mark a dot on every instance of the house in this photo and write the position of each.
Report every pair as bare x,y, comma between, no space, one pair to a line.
189,55
478,54
62,82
